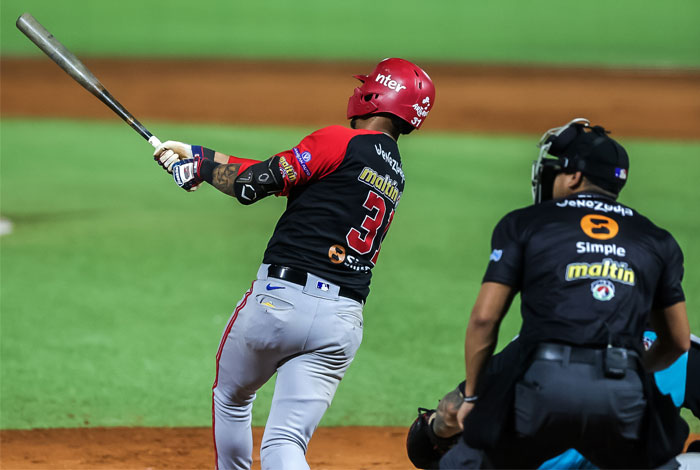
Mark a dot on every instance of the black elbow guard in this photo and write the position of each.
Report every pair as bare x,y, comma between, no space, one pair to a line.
258,181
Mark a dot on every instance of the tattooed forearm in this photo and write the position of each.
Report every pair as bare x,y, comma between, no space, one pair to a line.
445,424
224,176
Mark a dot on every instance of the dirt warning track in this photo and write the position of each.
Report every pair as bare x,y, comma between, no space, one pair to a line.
489,99
344,448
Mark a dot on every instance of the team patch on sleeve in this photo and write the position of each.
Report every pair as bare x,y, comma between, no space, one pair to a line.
303,158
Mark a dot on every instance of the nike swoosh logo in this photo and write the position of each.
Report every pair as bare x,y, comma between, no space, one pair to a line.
271,287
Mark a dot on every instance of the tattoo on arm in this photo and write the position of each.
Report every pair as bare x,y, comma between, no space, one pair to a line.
224,176
445,424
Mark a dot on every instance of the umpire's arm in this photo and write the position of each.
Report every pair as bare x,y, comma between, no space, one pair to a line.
481,339
673,337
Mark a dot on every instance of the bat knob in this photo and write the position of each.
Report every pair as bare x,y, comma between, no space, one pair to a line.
154,141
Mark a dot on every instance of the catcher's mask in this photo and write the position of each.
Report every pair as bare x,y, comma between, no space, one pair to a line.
577,146
396,86
424,447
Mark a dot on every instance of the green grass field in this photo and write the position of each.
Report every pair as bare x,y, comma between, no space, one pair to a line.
619,33
98,324
116,284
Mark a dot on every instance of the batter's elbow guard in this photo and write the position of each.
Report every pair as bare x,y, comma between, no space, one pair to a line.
258,181
423,446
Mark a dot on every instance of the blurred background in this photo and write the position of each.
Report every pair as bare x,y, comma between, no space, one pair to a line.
111,307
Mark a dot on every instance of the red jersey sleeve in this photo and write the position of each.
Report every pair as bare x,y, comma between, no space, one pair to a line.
316,156
244,162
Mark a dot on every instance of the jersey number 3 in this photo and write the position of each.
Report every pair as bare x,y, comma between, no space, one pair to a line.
363,243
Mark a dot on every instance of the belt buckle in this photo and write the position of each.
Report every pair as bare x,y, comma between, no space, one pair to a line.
288,274
284,272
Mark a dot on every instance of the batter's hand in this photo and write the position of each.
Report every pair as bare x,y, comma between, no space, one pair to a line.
462,413
186,173
170,152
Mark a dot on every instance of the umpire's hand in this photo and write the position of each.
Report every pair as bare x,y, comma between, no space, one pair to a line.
462,413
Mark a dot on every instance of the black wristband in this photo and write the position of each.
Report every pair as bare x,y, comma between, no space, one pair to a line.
205,153
206,170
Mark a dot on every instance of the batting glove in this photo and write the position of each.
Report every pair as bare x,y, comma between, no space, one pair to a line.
186,173
171,151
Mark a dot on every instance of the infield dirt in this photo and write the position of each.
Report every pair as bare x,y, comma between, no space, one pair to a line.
637,103
484,99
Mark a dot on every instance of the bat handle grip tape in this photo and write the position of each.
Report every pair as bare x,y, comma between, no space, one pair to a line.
154,141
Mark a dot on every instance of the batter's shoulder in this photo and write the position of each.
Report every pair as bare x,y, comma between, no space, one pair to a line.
338,132
332,139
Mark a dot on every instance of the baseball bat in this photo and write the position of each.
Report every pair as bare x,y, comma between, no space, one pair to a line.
65,59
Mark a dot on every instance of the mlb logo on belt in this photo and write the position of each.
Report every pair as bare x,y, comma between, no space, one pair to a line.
325,287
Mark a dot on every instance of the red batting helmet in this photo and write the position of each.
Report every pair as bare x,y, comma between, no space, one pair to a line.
395,86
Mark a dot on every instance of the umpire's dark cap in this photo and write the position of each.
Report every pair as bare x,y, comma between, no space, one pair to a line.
590,150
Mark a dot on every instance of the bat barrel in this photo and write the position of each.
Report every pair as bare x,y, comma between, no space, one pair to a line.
58,53
65,59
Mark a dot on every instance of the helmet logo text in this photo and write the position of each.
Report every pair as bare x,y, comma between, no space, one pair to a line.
421,111
389,83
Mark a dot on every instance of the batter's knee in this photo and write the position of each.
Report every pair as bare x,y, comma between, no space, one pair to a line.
236,409
275,436
283,453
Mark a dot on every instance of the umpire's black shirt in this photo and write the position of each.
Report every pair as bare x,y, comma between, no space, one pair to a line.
588,268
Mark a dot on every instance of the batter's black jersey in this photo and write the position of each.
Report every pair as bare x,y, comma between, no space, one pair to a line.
589,269
343,186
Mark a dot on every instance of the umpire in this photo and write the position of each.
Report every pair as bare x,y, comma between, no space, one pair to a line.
591,273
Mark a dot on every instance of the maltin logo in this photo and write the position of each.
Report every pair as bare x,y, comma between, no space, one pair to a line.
603,290
599,227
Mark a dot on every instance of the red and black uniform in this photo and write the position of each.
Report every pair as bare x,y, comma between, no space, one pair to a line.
343,186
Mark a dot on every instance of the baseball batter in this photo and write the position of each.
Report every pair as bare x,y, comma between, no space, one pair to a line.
302,316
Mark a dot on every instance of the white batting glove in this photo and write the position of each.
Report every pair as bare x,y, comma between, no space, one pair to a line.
186,173
170,152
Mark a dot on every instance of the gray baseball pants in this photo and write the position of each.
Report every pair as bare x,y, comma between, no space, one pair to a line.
309,336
